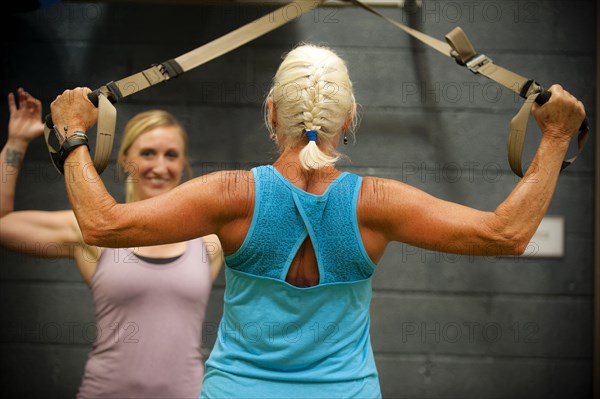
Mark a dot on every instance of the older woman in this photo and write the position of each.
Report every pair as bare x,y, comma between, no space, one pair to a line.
302,238
150,302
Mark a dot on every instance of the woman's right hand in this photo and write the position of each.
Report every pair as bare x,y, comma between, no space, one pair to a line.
25,123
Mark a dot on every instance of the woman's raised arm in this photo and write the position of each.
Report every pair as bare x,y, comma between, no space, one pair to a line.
393,211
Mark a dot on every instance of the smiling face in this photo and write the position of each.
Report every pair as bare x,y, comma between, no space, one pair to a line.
155,161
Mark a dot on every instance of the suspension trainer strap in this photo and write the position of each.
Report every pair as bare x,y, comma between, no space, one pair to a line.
201,55
105,131
459,47
105,96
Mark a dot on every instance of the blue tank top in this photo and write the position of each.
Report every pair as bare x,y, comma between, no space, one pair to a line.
276,339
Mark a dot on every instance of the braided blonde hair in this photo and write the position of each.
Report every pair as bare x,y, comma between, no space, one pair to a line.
312,91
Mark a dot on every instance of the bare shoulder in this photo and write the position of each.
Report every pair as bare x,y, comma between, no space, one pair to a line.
376,189
235,190
227,198
214,200
380,188
382,199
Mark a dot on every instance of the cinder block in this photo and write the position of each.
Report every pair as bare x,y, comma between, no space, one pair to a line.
442,376
486,325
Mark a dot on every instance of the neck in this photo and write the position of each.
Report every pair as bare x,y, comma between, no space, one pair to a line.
288,164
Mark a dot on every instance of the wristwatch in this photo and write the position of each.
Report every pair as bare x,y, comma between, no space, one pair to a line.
75,140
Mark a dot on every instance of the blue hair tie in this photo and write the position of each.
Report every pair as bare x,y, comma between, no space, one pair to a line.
312,135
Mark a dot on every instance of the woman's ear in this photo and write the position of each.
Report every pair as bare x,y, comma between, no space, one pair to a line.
272,116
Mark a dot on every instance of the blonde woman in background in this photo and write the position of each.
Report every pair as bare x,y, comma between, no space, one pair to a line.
154,296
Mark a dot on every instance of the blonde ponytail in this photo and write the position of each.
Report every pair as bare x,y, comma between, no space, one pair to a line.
311,156
311,91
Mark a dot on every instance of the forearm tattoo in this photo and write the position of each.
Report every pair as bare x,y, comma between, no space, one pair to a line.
14,157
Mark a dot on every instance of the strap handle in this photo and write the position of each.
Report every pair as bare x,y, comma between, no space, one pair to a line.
465,54
105,132
518,130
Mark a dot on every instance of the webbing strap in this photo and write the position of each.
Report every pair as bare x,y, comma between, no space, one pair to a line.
428,40
214,49
465,54
114,91
459,47
105,132
516,137
526,88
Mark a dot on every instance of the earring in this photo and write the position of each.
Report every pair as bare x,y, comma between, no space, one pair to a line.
345,139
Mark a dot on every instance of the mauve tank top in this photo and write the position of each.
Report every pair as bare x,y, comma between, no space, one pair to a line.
149,326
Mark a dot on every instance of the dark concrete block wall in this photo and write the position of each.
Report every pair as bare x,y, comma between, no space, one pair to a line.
443,326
